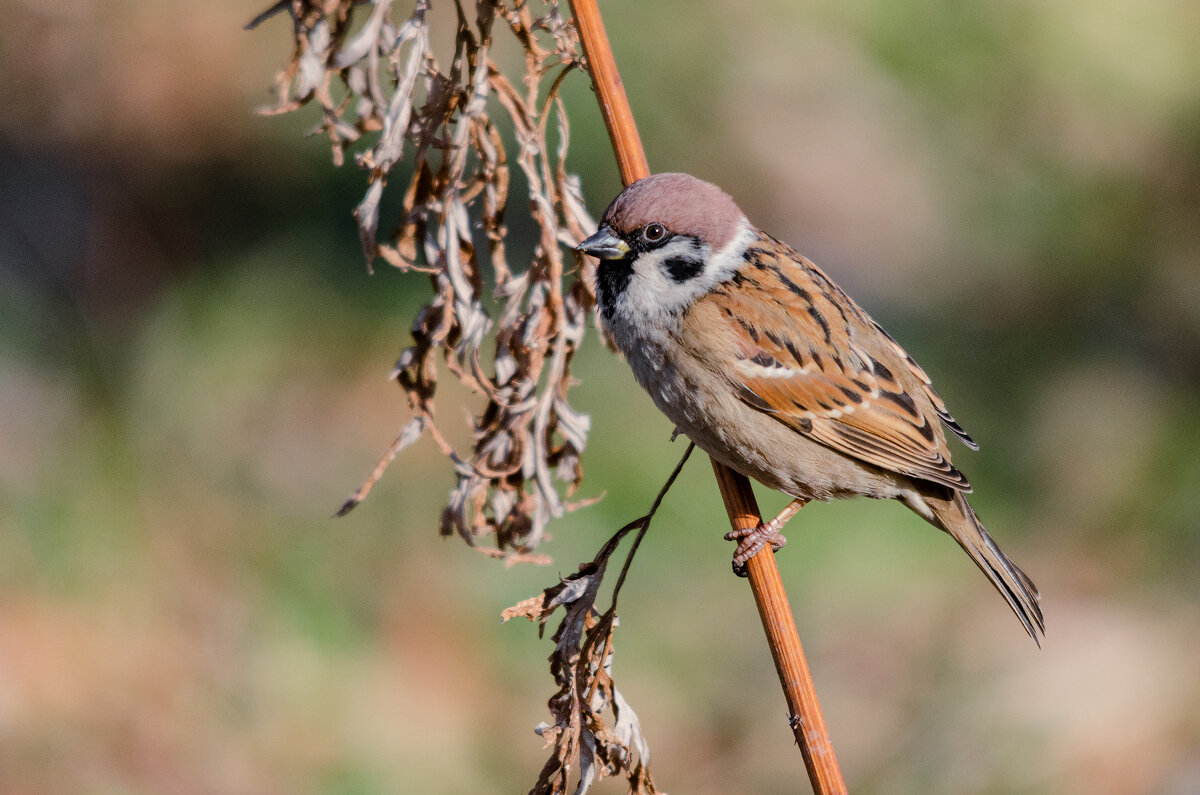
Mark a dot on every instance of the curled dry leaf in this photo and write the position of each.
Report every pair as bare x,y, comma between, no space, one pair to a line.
437,127
538,608
581,664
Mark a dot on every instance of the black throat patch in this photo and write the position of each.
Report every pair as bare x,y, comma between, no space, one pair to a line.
612,279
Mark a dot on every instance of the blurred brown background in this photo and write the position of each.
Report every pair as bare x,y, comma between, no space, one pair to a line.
193,369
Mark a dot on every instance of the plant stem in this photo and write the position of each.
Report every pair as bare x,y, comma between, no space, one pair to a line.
610,92
804,710
807,722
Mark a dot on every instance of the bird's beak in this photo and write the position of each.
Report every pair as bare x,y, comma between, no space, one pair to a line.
604,245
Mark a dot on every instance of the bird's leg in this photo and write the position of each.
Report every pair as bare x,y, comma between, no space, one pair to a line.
752,539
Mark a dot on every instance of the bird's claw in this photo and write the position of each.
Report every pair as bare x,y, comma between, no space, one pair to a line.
751,540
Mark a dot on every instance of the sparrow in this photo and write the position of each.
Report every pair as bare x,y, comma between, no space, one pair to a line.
774,371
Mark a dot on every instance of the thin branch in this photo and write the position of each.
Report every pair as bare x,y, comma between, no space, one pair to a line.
610,92
637,541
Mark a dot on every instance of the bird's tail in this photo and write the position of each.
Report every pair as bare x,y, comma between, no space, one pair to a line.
957,518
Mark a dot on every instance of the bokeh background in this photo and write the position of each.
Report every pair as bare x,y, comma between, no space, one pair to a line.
193,376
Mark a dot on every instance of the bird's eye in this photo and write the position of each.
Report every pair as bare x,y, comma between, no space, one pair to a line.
653,233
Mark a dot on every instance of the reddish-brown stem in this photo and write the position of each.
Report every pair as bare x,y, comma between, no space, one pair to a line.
807,722
804,710
610,92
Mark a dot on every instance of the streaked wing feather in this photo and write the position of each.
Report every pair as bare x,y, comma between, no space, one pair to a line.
939,405
797,359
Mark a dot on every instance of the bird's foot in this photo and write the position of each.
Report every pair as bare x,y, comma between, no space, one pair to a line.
752,539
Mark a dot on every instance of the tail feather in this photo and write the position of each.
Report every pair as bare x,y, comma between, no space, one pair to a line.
956,517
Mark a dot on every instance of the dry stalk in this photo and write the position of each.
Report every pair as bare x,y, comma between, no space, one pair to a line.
434,127
582,666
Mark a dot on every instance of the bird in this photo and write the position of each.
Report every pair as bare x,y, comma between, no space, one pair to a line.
773,370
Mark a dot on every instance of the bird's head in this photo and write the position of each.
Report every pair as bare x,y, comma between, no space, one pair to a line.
662,243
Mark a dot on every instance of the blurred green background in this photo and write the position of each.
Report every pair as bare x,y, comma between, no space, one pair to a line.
193,376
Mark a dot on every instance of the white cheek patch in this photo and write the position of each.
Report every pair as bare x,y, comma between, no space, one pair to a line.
652,290
726,262
653,294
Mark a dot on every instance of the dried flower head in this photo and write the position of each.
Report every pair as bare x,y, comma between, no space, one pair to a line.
381,86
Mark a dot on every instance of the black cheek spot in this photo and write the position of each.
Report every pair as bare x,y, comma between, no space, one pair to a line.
680,269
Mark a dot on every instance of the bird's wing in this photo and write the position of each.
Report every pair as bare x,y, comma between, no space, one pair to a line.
799,349
939,405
